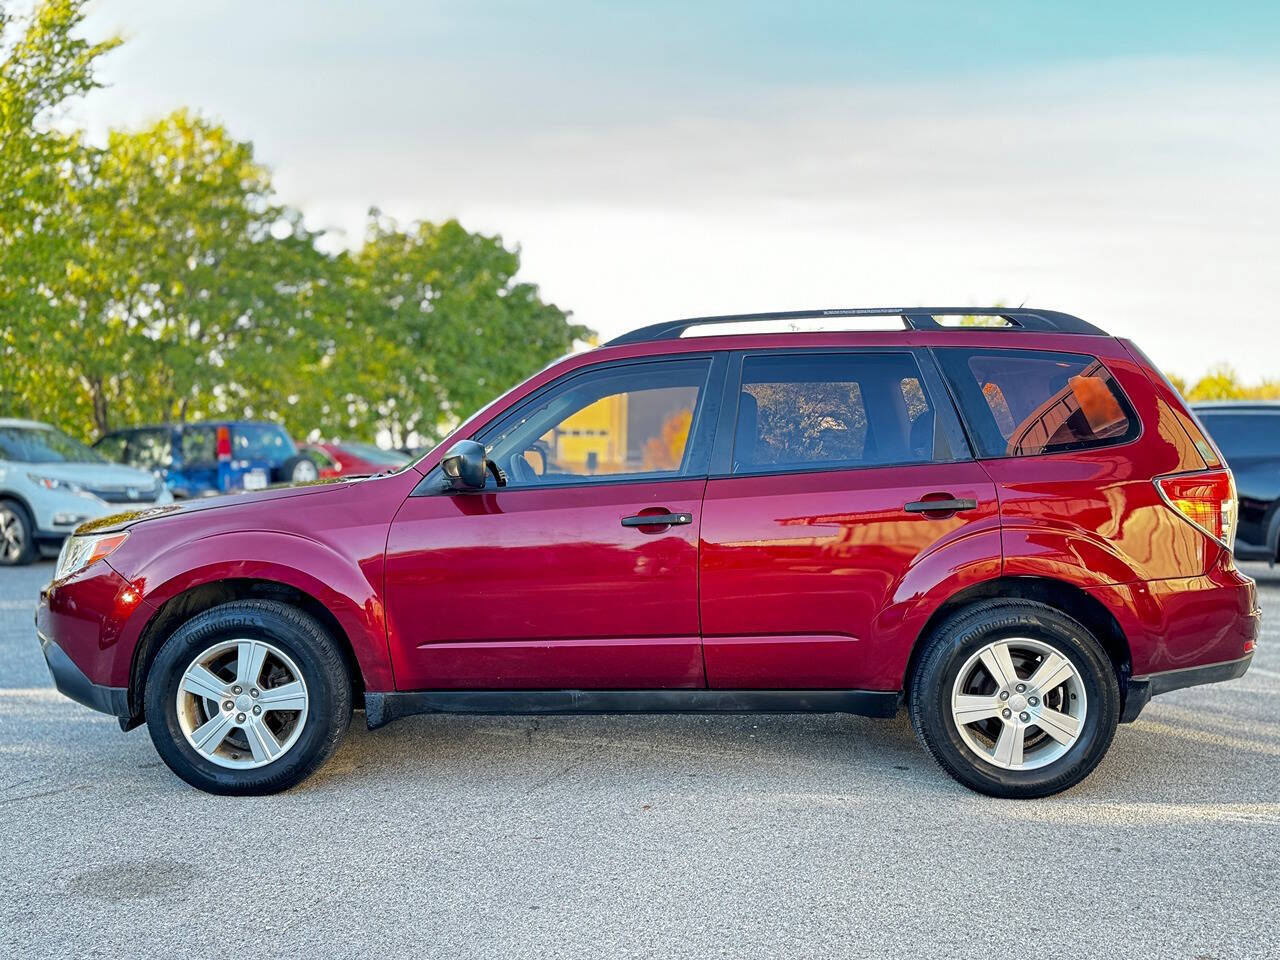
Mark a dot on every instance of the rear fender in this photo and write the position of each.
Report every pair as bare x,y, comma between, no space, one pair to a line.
927,584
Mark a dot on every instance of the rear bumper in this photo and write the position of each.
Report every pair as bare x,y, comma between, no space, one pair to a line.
1142,689
71,682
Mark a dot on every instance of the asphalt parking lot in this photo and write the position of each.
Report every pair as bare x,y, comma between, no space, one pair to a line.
639,836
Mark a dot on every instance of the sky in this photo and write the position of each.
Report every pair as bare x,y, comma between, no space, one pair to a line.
655,160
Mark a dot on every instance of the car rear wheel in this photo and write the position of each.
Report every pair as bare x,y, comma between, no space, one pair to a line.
249,697
17,535
300,469
1015,699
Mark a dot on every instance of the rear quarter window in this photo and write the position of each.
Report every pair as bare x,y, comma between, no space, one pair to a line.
1026,403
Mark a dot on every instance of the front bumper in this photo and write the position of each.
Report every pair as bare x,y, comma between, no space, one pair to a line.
71,682
1142,689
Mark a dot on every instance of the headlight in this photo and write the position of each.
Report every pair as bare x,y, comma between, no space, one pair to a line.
54,483
79,552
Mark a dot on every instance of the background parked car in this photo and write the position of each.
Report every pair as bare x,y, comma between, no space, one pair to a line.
354,459
1248,433
51,483
213,456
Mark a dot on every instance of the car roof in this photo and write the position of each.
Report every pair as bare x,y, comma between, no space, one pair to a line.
192,423
1224,406
1016,320
29,424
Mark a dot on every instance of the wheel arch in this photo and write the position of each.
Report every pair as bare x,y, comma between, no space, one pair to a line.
196,599
21,500
1065,597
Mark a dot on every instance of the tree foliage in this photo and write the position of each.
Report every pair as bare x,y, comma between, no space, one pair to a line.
1222,383
158,277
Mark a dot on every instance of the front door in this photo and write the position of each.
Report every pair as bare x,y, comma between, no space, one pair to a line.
582,571
836,460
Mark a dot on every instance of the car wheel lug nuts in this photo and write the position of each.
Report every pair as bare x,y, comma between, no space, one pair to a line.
1004,694
256,711
240,718
253,692
1024,717
228,705
237,689
1021,687
1007,714
1033,701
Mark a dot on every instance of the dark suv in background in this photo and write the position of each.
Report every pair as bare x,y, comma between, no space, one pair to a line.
1248,434
212,456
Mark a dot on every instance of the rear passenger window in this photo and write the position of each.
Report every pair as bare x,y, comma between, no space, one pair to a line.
112,446
1023,403
815,411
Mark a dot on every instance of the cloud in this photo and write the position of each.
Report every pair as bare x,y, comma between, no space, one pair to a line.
1141,195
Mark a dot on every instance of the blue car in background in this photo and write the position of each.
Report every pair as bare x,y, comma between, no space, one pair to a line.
211,456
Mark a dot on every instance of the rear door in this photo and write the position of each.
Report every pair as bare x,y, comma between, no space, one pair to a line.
822,507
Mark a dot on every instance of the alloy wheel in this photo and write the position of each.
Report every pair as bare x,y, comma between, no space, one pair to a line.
242,703
13,536
1019,704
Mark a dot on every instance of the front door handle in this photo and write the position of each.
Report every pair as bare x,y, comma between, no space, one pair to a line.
950,505
657,519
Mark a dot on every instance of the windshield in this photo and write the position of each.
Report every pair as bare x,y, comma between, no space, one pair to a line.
44,445
384,458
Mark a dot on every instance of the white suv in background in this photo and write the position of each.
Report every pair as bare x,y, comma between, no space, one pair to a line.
50,483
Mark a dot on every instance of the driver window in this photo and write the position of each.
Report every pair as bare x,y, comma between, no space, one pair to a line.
628,421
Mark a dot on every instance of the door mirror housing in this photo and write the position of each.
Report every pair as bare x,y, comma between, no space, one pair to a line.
465,467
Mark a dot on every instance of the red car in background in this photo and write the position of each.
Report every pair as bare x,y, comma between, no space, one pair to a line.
353,459
1020,533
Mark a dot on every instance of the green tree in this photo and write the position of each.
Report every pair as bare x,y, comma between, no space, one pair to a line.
452,326
184,282
1222,383
158,277
42,67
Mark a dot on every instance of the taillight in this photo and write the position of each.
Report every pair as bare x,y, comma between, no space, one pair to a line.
224,443
1206,499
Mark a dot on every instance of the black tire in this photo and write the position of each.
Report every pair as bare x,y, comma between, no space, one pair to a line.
15,513
312,649
964,634
299,469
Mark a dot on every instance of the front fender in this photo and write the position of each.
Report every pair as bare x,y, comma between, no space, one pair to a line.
346,587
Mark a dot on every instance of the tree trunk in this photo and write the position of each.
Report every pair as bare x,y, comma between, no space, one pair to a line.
99,398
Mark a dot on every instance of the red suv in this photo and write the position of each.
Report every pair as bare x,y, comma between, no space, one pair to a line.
1013,526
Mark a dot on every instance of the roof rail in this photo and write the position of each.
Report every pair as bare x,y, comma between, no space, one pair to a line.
913,318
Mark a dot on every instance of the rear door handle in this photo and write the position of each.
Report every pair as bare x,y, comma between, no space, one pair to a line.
941,506
657,519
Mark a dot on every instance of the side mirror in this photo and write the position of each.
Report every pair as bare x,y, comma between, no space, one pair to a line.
464,466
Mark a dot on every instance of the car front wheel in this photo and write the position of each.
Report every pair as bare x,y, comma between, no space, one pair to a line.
248,697
1015,699
17,539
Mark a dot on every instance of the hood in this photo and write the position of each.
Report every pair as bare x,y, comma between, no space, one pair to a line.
127,518
95,476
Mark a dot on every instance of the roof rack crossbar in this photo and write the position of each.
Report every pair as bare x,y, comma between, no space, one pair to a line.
913,318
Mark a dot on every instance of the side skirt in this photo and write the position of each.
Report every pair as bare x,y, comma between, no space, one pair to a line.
382,708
